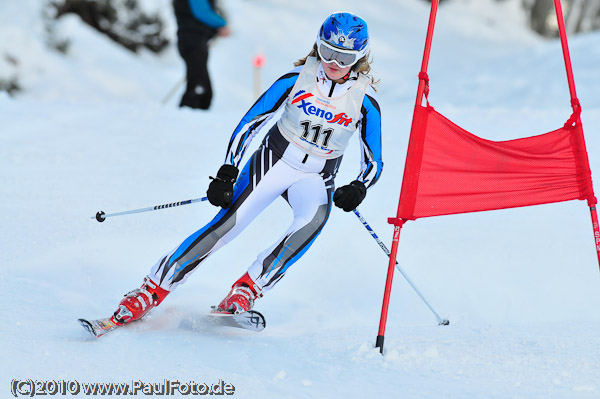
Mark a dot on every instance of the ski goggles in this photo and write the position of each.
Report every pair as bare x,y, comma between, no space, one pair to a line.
343,58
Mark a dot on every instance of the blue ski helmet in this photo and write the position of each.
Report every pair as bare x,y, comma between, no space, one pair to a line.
346,32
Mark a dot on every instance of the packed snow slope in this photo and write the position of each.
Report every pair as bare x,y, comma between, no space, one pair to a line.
521,287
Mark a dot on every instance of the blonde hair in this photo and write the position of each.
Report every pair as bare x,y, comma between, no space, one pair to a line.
362,66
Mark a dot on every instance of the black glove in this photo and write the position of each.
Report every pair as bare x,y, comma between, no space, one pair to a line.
220,189
350,196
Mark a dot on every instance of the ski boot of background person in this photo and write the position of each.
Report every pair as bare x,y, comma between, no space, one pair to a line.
241,297
139,302
199,98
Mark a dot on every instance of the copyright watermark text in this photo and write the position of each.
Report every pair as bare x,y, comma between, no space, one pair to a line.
31,388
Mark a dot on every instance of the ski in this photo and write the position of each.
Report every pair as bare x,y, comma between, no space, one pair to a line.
250,320
98,327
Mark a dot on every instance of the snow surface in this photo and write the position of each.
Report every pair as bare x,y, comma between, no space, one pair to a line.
521,287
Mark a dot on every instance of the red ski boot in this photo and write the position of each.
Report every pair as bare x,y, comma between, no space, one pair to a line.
138,302
241,297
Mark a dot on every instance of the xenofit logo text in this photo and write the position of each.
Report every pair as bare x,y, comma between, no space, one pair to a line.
310,109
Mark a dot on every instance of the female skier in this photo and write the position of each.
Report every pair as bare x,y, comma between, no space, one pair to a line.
325,100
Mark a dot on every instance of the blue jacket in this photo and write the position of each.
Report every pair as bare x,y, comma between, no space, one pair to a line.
197,17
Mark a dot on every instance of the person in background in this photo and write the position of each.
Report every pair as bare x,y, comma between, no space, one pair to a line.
198,21
328,98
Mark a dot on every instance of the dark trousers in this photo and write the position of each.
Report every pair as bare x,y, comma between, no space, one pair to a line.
194,51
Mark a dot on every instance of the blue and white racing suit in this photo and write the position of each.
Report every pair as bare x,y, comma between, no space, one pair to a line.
297,160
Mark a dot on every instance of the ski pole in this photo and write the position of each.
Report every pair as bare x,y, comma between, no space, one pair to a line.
175,88
441,322
101,216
